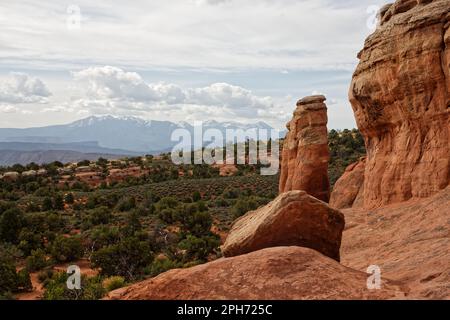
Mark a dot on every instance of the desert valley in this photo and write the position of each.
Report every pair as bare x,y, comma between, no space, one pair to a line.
346,204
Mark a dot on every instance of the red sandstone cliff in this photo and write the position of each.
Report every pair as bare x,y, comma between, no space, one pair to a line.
400,94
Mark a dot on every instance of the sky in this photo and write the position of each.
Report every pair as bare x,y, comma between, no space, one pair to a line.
178,60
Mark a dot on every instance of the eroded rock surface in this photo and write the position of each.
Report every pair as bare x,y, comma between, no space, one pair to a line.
400,94
275,273
349,189
293,219
409,241
305,154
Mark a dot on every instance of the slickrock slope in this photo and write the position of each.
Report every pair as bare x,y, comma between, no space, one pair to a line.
410,242
400,94
274,273
349,189
293,219
305,156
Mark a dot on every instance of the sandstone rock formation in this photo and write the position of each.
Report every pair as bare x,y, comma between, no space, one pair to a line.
399,218
293,219
305,155
274,273
400,94
409,241
349,189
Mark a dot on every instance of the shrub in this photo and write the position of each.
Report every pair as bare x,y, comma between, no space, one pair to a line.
5,205
221,202
231,193
159,266
11,222
126,204
58,203
168,215
199,247
242,206
127,258
167,203
10,280
24,281
103,236
47,204
45,275
83,163
133,224
100,215
6,296
29,240
196,196
65,249
56,288
113,283
36,261
196,222
69,198
8,276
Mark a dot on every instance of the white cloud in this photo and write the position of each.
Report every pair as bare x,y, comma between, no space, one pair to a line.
186,43
114,83
109,89
57,108
21,88
228,96
209,2
280,34
8,109
114,91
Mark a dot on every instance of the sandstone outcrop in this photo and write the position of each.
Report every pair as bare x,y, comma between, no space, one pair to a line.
400,94
293,219
400,194
275,273
305,155
349,189
409,241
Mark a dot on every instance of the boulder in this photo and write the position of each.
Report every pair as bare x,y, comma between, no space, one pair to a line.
290,273
305,155
348,191
293,219
400,95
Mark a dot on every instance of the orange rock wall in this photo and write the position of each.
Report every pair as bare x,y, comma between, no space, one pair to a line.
400,95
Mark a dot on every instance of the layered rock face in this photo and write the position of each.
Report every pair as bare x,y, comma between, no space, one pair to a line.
400,94
305,154
293,219
290,273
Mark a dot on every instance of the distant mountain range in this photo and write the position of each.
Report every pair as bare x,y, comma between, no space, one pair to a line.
110,136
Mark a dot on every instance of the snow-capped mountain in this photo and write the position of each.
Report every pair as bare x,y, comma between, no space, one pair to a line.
114,132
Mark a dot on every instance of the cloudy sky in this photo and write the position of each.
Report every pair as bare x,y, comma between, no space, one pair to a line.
178,60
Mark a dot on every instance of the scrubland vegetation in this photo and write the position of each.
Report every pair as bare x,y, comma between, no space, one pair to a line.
130,230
